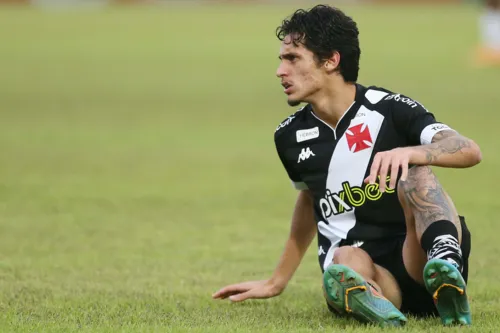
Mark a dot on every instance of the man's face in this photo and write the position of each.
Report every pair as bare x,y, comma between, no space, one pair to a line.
300,74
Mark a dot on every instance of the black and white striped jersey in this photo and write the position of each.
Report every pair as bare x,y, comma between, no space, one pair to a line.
333,162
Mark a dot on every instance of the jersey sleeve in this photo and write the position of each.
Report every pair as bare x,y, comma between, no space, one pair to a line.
295,178
414,121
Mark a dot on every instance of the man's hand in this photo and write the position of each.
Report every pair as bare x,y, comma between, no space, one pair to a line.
448,149
389,163
246,290
302,232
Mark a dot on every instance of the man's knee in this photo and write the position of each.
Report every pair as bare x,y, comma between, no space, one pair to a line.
355,258
344,255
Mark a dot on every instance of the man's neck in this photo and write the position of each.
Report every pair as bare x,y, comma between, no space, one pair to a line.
333,102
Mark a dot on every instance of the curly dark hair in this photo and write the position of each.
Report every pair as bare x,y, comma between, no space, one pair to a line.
324,30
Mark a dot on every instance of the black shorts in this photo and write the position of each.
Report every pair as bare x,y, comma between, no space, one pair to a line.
416,299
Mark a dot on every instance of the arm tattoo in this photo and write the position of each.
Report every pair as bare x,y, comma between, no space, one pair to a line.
445,142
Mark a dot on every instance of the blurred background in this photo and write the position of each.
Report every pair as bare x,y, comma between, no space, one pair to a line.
138,172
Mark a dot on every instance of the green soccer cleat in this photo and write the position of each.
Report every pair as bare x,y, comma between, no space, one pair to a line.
448,289
348,293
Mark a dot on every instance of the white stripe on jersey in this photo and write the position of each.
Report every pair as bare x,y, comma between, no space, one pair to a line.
337,226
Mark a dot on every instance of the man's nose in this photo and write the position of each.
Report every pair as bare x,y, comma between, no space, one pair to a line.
281,70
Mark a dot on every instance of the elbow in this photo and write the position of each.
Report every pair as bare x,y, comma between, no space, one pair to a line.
476,155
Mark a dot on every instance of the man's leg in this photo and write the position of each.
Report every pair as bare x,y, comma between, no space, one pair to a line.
431,252
354,285
377,276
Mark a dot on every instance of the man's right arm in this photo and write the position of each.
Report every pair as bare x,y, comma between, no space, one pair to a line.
302,232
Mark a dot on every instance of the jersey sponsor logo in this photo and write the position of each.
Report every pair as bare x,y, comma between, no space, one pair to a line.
406,100
350,197
439,127
358,138
285,123
305,154
307,134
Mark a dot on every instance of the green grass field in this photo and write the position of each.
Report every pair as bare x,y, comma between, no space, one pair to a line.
138,172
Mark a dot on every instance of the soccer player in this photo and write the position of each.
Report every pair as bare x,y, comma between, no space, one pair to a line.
390,240
489,27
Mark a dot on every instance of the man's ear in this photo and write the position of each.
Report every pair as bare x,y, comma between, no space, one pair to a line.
332,63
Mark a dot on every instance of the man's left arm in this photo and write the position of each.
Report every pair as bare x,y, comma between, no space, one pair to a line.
448,149
428,143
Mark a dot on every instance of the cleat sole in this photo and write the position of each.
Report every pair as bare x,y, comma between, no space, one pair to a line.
448,290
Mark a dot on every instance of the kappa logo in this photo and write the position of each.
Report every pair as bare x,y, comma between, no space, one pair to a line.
358,138
305,154
307,134
357,243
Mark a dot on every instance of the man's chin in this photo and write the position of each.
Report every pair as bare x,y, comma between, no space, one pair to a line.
293,102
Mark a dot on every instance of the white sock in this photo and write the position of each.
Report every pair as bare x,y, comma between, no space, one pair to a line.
489,25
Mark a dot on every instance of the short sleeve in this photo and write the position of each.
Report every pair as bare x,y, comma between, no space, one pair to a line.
414,121
296,180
